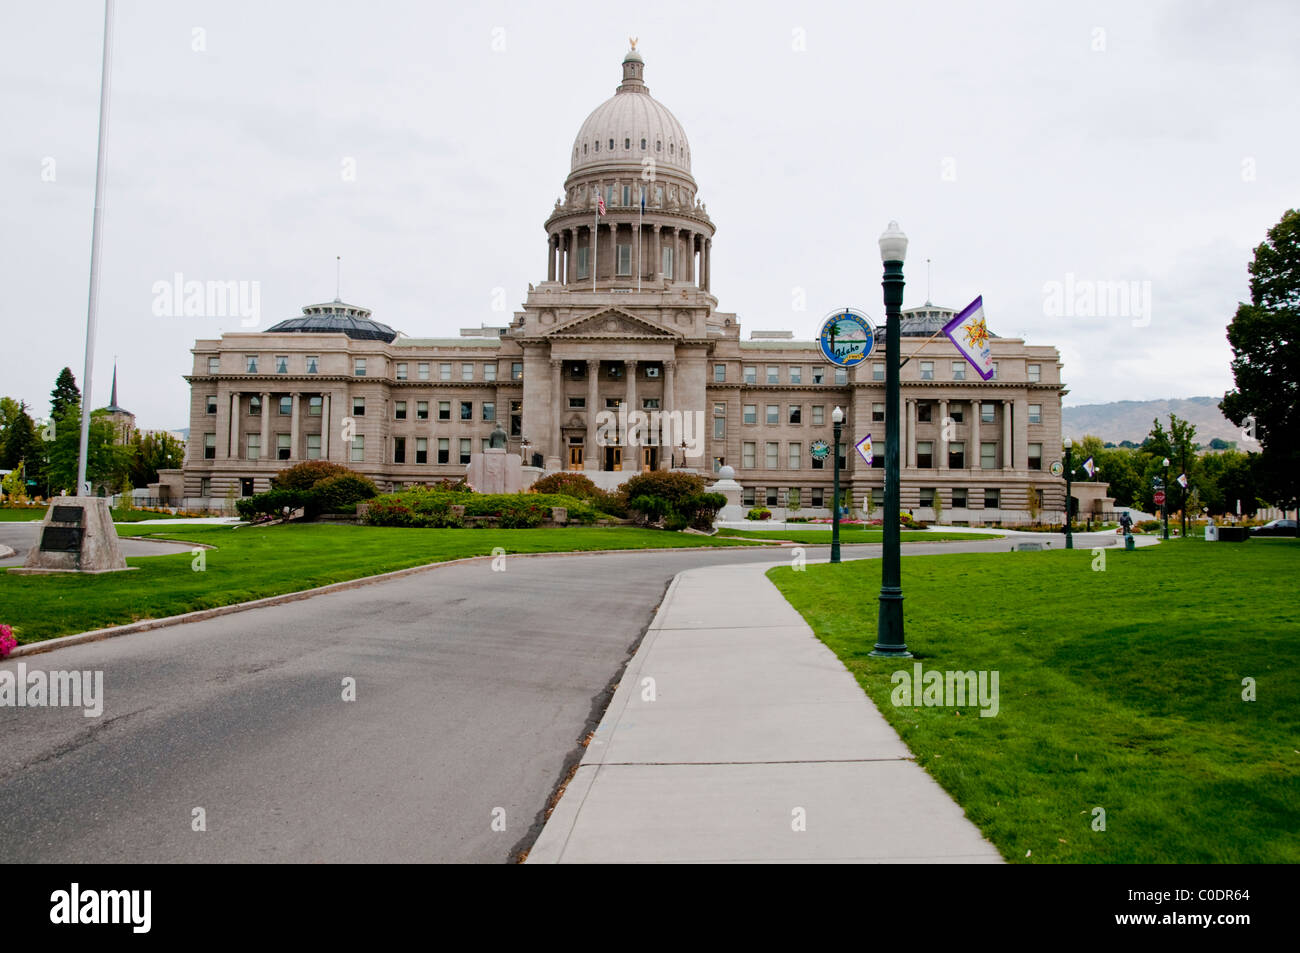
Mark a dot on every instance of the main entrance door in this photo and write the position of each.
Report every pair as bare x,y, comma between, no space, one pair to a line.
650,458
613,458
575,456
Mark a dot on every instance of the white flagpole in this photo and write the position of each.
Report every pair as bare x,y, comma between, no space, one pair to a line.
95,243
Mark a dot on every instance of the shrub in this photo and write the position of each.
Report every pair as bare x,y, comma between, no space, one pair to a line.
7,640
423,507
759,513
702,509
271,503
304,476
665,484
567,484
337,493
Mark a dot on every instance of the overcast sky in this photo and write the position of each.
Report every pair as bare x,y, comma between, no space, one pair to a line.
1016,144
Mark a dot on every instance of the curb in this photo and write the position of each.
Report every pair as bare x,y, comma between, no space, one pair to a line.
199,615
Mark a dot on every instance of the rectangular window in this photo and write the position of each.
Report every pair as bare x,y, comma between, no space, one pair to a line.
793,456
959,370
358,406
751,374
927,370
747,496
651,371
516,370
444,450
819,415
668,262
795,414
958,496
719,428
282,363
988,456
490,371
401,371
773,413
924,412
841,376
421,410
796,374
577,403
1035,413
313,364
254,406
489,411
815,463
927,496
214,365
992,499
250,363
956,413
399,449
1035,372
209,446
650,403
399,410
773,374
421,450
877,498
359,367
282,446
772,454
747,455
205,486
1035,456
611,403
467,372
358,448
422,371
957,455
516,418
986,413
877,412
466,410
444,372
584,264
772,496
995,371
313,446
749,414
625,259
314,405
924,454
819,375
878,371
212,403
286,406
719,373
444,410
465,449
818,498
485,444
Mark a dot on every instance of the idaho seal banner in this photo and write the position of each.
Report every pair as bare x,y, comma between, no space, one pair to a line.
847,337
969,333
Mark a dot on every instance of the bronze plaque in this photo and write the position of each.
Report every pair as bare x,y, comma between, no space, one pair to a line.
68,514
61,539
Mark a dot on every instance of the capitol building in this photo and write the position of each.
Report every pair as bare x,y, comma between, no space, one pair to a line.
626,318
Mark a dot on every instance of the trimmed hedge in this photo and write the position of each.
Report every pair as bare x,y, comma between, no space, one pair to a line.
432,509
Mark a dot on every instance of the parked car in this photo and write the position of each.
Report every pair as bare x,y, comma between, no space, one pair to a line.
1275,528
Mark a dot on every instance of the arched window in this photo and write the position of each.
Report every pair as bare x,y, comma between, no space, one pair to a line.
659,146
597,145
611,145
670,148
643,145
627,143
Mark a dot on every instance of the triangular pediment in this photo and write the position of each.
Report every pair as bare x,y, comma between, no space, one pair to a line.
610,323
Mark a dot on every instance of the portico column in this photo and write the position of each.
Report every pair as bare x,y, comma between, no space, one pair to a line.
266,426
570,253
708,263
325,427
630,446
552,244
591,459
1008,458
943,435
558,408
234,426
657,265
688,242
293,427
669,402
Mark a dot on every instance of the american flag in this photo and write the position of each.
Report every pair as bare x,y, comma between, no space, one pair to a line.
600,204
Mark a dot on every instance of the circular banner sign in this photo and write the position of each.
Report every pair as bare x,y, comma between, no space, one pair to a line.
1057,469
820,449
847,337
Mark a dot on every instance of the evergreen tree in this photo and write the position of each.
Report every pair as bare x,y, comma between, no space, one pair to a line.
65,394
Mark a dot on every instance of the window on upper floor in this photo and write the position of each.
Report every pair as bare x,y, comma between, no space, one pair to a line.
1035,372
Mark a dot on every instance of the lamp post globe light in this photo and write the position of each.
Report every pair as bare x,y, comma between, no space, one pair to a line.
837,418
1069,474
1164,489
889,630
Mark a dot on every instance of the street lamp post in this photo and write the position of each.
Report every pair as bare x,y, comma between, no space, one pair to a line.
837,418
1164,489
1069,508
889,629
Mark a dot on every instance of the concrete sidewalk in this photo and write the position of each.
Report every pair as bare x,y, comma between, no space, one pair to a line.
754,724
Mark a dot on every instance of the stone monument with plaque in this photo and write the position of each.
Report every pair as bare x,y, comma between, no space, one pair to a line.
77,535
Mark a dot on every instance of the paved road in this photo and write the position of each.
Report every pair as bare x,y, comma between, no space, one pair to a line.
473,689
20,536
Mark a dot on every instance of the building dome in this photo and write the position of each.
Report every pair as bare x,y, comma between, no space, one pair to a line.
630,126
336,317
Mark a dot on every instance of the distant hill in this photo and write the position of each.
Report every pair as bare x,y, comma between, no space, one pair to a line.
1131,419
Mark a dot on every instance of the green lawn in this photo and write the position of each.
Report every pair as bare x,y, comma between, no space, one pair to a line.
853,534
254,562
21,514
1119,689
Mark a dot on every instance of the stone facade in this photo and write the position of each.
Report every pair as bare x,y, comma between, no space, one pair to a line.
644,332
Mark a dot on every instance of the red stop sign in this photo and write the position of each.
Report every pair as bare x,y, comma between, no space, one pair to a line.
1160,497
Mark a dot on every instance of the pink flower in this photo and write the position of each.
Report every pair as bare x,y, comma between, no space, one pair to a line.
7,641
